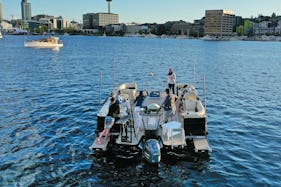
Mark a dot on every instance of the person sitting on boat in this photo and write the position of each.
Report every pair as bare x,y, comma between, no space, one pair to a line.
168,106
112,116
119,99
139,102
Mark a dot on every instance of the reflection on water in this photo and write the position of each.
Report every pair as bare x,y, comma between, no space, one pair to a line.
172,170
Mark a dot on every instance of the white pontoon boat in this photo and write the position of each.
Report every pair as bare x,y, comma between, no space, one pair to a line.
51,42
146,130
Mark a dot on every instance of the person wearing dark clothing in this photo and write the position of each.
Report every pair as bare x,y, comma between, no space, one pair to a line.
112,116
168,105
140,99
139,102
114,109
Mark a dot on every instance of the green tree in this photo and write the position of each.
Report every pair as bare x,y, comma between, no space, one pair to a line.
161,29
273,16
41,29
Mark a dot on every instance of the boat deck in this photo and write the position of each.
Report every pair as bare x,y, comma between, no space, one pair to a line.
102,145
172,133
201,145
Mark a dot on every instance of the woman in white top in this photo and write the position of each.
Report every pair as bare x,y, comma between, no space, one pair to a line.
171,80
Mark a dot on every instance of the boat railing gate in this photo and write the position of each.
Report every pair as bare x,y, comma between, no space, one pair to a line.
126,129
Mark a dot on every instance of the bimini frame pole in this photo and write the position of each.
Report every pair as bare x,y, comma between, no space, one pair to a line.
100,85
194,75
114,73
204,80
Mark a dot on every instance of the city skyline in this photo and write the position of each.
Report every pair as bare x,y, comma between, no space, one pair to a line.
158,11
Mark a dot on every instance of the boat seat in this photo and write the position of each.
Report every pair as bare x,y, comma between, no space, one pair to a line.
124,96
191,105
190,96
130,92
193,109
151,122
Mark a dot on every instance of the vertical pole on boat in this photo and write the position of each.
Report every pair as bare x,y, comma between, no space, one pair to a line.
114,73
205,105
194,75
204,80
100,88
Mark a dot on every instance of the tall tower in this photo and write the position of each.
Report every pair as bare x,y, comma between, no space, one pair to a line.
25,10
108,2
1,12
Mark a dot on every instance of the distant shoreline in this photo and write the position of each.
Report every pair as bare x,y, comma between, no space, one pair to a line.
262,38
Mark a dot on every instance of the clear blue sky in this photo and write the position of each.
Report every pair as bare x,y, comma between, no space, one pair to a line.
142,11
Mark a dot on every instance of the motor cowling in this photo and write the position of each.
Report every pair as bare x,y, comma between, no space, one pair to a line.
152,152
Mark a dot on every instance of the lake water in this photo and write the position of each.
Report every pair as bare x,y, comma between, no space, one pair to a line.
49,101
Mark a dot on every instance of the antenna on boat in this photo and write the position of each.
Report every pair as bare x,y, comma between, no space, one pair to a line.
114,72
194,75
204,80
100,88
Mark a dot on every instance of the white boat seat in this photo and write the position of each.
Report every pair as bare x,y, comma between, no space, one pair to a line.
124,96
191,105
193,109
130,92
151,122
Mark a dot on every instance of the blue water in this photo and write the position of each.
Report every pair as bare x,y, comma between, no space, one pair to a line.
49,101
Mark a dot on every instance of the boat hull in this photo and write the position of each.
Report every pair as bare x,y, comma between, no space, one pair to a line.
42,45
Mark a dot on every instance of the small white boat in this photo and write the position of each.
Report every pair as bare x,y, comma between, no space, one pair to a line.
211,38
51,42
1,36
147,131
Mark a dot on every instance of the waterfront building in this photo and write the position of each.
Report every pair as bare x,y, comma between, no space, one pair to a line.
54,23
34,24
1,12
75,25
238,21
62,23
96,20
116,28
219,22
25,10
88,21
197,29
132,28
265,28
278,28
181,28
6,26
49,21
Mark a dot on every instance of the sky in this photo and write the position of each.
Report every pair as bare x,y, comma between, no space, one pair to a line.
143,11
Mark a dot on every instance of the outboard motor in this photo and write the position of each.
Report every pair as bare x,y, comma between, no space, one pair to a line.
151,151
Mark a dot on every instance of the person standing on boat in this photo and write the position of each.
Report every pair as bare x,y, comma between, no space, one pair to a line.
168,106
139,102
140,99
112,116
171,80
123,102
